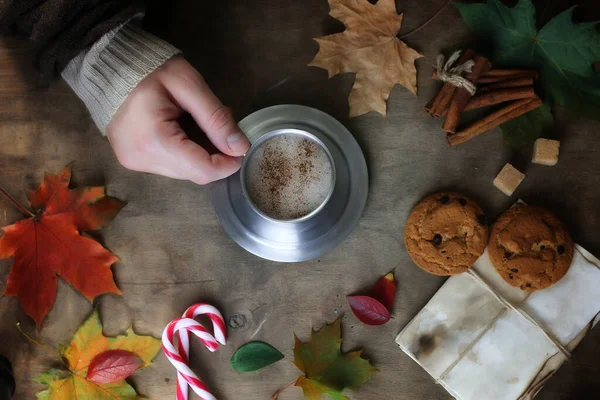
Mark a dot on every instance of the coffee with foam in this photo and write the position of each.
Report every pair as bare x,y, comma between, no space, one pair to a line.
288,176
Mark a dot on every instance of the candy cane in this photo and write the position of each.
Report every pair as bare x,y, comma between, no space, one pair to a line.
180,358
184,339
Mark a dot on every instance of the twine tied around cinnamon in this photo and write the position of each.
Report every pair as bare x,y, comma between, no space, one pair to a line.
453,74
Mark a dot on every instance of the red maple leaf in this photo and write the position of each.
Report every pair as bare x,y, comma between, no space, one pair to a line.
49,244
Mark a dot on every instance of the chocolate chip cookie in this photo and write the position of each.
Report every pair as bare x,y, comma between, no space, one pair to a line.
530,248
446,233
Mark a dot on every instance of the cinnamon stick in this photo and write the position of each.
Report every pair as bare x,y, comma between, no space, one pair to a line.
512,72
491,121
501,78
461,95
498,96
499,75
440,101
519,82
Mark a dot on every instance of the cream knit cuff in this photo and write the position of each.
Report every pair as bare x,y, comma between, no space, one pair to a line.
104,75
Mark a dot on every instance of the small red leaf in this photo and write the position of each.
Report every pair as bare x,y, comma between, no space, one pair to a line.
368,310
384,290
113,366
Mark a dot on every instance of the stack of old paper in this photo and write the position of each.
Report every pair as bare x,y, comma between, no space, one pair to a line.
481,338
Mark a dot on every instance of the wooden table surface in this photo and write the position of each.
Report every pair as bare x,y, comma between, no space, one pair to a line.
174,253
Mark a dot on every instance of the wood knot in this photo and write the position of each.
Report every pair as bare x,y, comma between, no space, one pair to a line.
238,321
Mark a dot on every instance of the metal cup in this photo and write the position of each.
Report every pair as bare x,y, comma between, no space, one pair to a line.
256,145
323,228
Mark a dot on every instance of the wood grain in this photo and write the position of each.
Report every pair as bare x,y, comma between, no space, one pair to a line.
173,251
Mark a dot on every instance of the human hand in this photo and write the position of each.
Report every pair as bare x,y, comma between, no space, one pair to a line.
145,135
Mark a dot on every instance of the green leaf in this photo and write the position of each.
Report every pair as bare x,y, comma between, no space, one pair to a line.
575,92
573,47
327,370
47,377
253,356
510,31
563,52
523,130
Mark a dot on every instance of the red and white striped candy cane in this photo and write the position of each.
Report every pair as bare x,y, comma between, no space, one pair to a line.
184,339
182,327
216,319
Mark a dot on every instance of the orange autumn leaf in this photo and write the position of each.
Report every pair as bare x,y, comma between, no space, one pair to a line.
87,344
368,47
49,245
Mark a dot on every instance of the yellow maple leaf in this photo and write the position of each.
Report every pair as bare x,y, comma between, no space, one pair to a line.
368,47
76,387
87,343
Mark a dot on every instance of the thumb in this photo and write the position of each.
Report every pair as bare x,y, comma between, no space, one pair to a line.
193,94
194,163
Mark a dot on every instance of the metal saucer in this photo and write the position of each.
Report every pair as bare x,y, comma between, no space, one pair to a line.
305,238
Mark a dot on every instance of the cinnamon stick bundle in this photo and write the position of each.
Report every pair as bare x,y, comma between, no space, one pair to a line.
440,101
498,96
491,121
461,95
519,82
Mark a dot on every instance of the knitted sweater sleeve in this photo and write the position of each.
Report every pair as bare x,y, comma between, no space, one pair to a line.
104,75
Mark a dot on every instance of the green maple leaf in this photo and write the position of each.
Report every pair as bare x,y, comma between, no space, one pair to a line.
563,52
522,131
326,369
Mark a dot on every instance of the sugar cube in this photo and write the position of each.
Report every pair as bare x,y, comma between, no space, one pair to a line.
545,151
508,179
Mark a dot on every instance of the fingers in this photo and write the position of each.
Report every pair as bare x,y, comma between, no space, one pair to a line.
146,136
194,163
163,148
192,93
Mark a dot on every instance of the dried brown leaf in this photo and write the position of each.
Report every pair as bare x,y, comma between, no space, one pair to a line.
368,47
